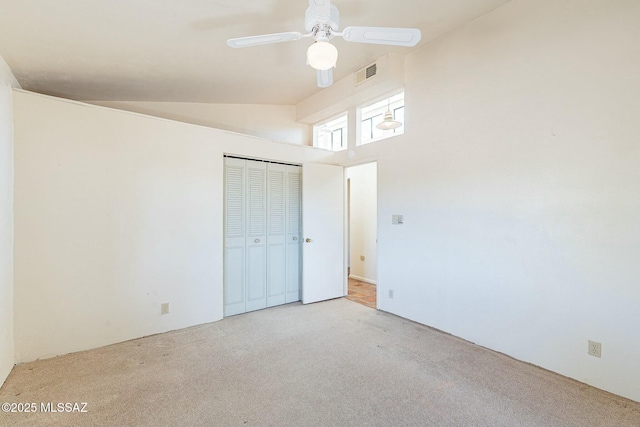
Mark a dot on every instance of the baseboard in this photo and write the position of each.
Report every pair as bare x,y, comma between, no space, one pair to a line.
362,279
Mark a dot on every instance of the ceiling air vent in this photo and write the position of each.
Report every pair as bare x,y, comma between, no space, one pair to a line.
366,73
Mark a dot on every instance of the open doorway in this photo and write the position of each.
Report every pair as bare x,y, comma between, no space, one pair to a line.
362,202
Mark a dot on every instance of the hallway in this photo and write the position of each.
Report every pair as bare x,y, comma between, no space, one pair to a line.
362,293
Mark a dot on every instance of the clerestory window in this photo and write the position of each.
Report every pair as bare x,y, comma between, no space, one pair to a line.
331,135
374,114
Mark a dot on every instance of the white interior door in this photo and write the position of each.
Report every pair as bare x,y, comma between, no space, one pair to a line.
276,238
256,236
294,233
323,272
234,237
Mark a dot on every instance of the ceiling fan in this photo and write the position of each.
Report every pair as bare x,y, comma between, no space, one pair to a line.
322,24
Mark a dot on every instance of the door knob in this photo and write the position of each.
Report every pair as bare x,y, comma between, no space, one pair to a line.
308,240
257,240
295,238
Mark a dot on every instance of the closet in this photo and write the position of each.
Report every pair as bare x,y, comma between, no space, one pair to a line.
262,229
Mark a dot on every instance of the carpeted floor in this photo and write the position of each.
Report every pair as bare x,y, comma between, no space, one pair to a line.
335,363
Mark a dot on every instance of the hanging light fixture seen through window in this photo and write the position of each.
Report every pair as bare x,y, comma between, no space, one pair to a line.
388,123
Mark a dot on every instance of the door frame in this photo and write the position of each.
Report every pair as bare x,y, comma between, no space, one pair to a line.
348,222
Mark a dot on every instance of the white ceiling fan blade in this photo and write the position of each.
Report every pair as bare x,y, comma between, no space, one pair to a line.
325,78
264,39
320,8
382,35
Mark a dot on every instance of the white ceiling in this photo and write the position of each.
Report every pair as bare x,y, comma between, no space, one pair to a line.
175,50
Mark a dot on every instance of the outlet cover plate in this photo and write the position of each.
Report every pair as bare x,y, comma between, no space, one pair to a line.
595,349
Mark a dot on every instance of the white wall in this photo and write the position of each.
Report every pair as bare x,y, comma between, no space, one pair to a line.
518,178
115,214
274,122
363,221
7,81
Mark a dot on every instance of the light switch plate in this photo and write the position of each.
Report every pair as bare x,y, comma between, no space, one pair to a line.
397,219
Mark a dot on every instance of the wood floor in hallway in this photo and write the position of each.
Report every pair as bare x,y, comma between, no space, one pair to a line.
362,293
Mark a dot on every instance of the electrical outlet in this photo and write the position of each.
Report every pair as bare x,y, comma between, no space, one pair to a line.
391,293
164,308
361,257
595,349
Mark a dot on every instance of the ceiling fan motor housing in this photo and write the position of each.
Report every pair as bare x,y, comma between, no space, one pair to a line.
311,20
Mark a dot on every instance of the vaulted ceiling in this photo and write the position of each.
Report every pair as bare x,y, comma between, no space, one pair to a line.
175,50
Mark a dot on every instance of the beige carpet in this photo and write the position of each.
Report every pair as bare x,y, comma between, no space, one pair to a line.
335,363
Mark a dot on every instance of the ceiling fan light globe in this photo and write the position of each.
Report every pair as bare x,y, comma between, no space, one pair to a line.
322,55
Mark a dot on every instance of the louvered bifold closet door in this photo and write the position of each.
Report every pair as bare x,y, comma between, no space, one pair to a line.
294,232
262,235
276,237
234,237
256,284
